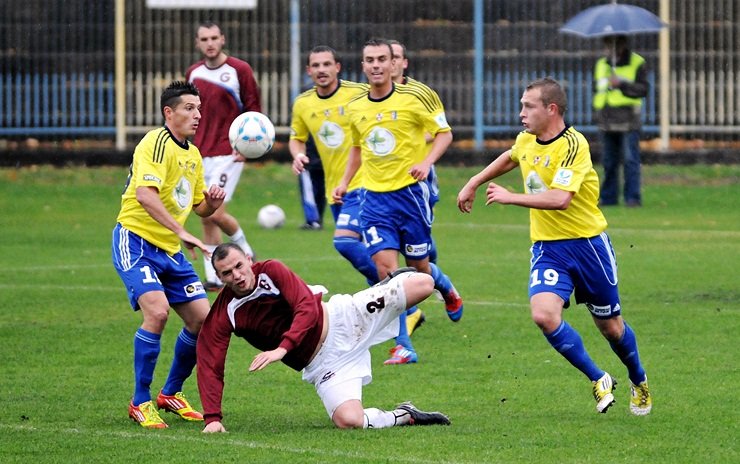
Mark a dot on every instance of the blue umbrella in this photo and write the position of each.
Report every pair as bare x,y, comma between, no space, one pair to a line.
612,19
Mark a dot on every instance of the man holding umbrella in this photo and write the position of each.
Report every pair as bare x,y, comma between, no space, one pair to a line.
620,84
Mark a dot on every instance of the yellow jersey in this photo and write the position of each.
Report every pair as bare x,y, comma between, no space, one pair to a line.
562,163
410,81
390,133
176,170
326,120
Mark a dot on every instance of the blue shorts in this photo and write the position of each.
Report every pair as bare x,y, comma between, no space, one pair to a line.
145,268
587,266
433,187
347,215
399,220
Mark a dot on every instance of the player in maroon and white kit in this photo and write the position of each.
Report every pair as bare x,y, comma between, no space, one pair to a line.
227,88
269,306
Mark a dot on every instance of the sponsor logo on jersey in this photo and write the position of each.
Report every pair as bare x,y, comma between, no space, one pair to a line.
380,141
441,120
151,178
534,184
183,193
331,134
563,177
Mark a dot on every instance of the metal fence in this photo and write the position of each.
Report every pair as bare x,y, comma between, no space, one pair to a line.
57,59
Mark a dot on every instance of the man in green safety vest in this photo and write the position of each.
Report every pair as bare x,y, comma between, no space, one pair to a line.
620,84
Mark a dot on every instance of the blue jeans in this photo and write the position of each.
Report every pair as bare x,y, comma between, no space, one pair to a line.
621,146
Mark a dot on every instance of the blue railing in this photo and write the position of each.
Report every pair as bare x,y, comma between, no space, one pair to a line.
503,90
84,103
52,104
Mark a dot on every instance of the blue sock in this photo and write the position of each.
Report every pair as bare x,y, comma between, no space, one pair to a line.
146,352
411,310
441,281
355,252
626,349
568,343
433,252
403,338
183,362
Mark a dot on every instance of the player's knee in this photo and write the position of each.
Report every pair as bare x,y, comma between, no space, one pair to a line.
194,326
423,283
417,287
545,320
156,318
611,329
349,415
348,424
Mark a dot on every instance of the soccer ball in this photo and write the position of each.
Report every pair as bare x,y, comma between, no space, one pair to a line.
252,134
271,217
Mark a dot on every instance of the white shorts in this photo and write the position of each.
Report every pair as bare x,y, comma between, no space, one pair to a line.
222,171
356,323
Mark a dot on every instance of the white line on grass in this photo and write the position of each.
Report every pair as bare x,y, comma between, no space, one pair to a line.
84,288
205,439
622,230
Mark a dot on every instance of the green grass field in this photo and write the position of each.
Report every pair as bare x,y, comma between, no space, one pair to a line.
66,334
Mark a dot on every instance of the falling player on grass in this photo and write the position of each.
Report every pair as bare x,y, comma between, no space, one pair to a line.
269,306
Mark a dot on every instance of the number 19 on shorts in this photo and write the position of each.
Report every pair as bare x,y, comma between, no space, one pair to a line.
549,277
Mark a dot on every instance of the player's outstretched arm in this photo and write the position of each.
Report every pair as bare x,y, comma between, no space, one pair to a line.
501,165
213,199
262,360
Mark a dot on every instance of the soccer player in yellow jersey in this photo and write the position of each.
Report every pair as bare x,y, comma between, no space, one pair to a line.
165,183
321,112
571,252
388,126
414,316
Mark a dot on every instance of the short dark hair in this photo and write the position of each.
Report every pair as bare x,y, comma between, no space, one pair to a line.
171,95
396,42
550,92
378,42
208,24
322,49
222,251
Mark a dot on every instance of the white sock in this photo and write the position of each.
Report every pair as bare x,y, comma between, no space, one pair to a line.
240,239
210,271
378,419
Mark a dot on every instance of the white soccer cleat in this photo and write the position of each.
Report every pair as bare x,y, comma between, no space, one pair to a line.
603,392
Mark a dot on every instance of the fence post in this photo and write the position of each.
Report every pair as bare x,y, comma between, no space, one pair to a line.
664,45
120,67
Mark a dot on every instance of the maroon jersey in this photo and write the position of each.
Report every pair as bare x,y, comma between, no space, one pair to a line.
280,312
225,93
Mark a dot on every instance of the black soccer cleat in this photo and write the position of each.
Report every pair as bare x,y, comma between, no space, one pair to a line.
423,418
